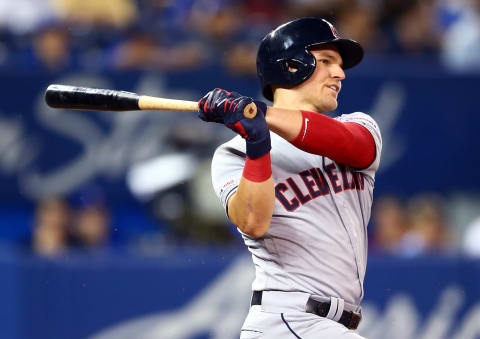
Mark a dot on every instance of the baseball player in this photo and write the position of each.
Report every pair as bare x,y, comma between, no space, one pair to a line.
298,184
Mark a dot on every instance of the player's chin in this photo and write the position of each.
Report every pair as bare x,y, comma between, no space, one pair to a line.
327,104
331,105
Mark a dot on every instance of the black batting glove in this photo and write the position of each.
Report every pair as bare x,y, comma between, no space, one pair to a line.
227,107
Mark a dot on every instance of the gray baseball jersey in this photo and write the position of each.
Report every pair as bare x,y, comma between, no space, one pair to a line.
317,239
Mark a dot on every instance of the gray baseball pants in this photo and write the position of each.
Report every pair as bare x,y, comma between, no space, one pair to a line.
282,315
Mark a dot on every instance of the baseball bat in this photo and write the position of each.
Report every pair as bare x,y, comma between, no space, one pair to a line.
98,99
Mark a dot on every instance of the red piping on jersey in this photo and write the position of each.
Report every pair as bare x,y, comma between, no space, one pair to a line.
347,143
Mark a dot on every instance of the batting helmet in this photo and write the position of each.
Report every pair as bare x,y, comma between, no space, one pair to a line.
287,47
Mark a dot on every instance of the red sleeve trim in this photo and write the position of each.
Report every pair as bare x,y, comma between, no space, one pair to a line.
348,143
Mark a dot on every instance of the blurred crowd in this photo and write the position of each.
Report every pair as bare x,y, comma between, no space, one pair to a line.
61,225
86,221
417,226
177,35
420,225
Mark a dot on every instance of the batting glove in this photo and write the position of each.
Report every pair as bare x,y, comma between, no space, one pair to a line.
227,107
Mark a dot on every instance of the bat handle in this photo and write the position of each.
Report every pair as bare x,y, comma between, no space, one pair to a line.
250,111
153,103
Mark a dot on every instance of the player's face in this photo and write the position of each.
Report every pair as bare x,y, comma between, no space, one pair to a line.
321,90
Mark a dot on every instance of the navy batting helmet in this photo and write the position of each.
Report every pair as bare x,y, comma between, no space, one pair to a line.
287,47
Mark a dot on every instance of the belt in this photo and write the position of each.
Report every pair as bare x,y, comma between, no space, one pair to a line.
349,319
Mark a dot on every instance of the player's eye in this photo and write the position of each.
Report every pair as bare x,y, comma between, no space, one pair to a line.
324,61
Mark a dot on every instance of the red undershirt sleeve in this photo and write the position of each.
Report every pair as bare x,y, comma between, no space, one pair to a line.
348,143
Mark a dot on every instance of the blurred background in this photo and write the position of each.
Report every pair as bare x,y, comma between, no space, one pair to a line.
109,227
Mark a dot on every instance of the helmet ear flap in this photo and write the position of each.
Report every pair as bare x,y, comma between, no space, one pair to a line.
296,70
287,72
292,65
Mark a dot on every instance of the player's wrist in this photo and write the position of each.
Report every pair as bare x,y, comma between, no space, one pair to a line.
258,169
258,148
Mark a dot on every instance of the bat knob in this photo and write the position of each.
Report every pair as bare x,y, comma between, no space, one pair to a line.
250,111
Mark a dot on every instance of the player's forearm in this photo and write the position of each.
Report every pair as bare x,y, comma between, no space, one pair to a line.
251,207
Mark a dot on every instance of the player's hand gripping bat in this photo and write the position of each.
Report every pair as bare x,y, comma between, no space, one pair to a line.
96,99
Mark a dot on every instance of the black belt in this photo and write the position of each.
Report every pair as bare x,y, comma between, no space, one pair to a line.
349,319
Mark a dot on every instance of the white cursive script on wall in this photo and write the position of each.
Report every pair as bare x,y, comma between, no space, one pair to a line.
130,138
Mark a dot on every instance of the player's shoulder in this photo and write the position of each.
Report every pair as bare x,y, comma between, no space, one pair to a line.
234,146
360,118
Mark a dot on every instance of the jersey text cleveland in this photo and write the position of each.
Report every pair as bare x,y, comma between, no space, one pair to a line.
315,184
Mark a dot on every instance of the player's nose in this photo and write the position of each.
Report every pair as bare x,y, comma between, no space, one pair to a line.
338,72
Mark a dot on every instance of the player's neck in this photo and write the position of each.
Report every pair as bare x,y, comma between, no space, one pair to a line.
288,99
